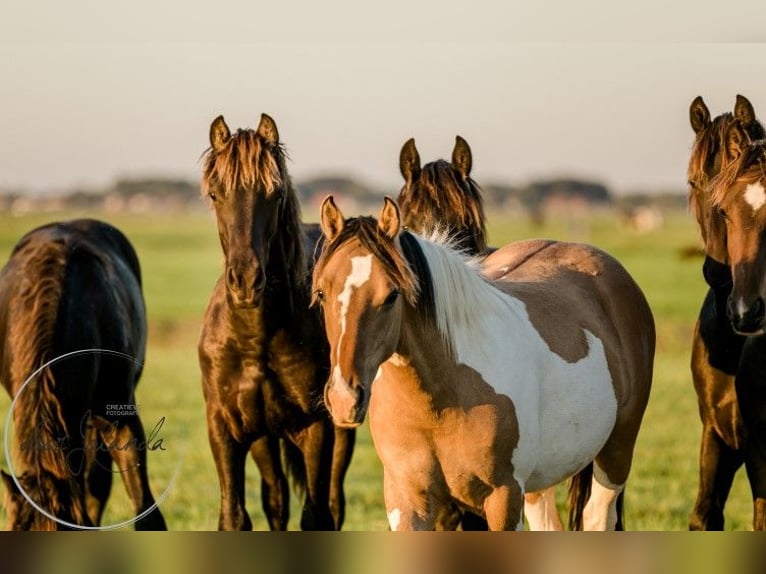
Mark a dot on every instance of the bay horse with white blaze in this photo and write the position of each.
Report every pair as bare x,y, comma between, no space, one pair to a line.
717,349
263,353
73,288
481,390
739,193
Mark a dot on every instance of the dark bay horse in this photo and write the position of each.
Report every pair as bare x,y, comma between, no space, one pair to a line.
480,390
442,195
739,194
717,349
262,351
72,287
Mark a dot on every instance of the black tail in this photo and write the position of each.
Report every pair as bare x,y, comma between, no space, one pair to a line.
579,493
295,466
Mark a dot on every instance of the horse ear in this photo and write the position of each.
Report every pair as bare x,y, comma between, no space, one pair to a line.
735,142
409,161
699,115
219,134
332,219
267,129
743,111
462,160
390,220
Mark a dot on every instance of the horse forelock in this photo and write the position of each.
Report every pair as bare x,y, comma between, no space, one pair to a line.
748,168
365,230
246,161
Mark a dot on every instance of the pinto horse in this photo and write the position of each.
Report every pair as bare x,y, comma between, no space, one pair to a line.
717,349
739,194
262,352
483,389
68,288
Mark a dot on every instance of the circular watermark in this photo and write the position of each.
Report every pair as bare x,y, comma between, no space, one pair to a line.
151,442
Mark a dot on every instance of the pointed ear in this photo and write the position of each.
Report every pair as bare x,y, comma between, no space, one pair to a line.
332,219
699,115
219,134
389,222
462,160
409,161
743,111
735,142
267,129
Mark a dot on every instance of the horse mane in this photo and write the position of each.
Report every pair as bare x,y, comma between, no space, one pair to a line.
441,193
749,167
249,161
39,422
707,146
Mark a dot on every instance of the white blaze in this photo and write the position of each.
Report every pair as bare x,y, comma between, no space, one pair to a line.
755,195
361,268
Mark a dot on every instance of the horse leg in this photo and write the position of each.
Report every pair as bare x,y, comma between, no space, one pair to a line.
229,456
718,465
408,506
600,512
98,480
314,442
342,449
541,511
275,492
127,446
504,507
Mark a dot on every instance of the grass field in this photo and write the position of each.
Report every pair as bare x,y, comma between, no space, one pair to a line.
180,257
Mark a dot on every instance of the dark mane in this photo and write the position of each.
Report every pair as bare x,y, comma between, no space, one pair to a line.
408,269
748,168
441,197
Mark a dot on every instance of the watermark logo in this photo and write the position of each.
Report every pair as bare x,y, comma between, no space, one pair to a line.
110,432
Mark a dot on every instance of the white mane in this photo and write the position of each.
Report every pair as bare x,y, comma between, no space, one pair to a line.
467,306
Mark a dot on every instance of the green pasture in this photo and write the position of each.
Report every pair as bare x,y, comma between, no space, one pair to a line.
180,257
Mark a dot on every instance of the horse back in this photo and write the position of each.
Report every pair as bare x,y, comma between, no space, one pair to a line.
571,287
67,287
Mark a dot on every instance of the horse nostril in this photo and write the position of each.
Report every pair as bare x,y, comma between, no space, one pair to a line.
730,308
757,310
259,281
232,279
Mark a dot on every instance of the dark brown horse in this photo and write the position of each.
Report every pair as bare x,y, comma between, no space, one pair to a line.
442,195
263,353
717,360
73,288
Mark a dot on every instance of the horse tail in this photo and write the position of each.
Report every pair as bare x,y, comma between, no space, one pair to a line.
579,492
295,466
620,511
32,322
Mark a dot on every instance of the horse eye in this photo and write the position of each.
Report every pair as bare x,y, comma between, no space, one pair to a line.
723,214
319,294
212,196
391,299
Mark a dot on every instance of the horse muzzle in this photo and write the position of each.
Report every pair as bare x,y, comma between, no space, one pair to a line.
245,286
747,319
346,403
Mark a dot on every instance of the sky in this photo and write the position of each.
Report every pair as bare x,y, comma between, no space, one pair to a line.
91,91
